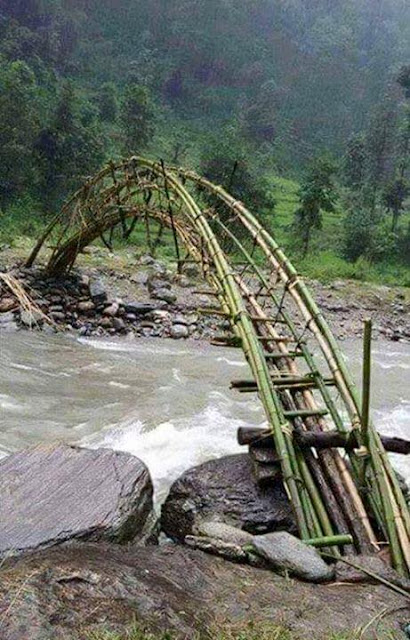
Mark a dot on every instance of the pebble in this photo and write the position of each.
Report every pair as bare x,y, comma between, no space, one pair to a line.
86,306
7,304
179,331
112,310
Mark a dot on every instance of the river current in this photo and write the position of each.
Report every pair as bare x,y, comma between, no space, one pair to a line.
167,402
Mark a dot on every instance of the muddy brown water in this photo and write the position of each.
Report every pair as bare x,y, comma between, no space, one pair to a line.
167,402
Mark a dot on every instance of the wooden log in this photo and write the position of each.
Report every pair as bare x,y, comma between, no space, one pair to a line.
320,441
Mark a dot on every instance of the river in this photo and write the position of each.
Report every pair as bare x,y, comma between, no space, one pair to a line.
167,402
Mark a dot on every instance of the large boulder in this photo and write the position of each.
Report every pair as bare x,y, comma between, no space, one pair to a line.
224,490
54,494
84,591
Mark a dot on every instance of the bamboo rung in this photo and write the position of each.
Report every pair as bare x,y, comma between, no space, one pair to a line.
278,355
330,541
305,413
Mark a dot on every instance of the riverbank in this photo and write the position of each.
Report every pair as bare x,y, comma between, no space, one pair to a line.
97,568
139,296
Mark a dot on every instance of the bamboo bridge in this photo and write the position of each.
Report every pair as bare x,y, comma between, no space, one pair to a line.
348,500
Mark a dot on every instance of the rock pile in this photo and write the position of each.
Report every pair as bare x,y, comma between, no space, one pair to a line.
80,303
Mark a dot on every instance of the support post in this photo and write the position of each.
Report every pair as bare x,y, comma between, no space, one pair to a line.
366,380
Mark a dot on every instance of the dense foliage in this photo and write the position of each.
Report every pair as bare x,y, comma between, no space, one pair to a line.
243,90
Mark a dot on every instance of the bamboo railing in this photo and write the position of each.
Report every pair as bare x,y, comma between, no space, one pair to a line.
275,320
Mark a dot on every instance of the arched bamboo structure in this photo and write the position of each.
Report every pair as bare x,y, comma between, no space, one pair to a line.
272,315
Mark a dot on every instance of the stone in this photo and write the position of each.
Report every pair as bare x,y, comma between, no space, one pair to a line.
7,322
119,324
85,590
225,490
112,310
139,308
179,331
97,291
54,494
288,554
31,318
165,294
372,563
217,547
7,304
86,306
91,250
224,532
105,322
179,319
58,316
156,283
160,315
146,260
182,280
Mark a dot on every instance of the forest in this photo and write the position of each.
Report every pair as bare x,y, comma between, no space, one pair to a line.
301,110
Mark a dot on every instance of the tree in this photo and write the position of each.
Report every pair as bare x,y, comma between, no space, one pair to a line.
227,161
403,79
380,151
69,149
354,162
137,118
317,194
359,228
393,199
107,102
19,123
260,114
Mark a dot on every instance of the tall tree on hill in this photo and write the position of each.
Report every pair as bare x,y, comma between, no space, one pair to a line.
380,151
354,162
393,199
69,149
19,123
317,194
136,118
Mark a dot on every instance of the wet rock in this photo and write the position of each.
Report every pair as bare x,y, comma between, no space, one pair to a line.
288,554
54,494
139,308
179,331
225,490
165,294
7,304
97,291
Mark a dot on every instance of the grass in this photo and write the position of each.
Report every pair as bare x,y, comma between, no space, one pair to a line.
247,632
